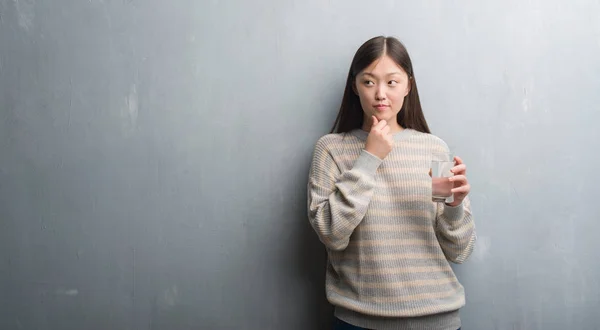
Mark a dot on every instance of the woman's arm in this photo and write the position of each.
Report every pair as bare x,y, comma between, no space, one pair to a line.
455,230
338,200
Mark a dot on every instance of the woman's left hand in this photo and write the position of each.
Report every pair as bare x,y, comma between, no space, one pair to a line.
461,184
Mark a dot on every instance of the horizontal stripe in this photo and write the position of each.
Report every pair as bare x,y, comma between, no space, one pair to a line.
381,235
429,248
388,264
409,277
391,256
393,242
395,281
418,186
396,227
405,284
396,297
396,211
392,224
421,213
397,196
395,270
414,206
375,294
404,170
406,159
427,239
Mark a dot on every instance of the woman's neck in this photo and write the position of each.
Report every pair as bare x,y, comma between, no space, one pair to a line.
394,126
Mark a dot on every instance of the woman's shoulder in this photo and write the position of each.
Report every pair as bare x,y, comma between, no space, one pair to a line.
332,140
429,139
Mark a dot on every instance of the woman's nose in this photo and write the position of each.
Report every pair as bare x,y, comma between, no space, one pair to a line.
380,95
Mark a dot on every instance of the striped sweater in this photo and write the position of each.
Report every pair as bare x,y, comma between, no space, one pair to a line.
388,245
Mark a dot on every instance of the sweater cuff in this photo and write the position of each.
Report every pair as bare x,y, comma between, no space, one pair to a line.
367,163
453,213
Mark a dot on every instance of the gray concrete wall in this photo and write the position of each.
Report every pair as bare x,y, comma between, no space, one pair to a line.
154,155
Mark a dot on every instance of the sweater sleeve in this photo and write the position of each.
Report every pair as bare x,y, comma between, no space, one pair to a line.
455,230
338,200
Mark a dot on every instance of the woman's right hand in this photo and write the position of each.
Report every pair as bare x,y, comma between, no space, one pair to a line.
379,142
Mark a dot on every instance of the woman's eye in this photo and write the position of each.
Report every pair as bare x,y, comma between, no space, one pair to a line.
369,83
393,83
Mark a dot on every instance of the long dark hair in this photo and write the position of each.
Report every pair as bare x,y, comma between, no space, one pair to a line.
351,115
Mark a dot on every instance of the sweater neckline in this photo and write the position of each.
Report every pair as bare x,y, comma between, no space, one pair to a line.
398,136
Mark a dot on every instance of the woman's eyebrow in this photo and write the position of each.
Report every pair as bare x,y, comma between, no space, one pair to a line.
389,74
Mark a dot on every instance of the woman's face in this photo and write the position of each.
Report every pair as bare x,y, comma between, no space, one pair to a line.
381,88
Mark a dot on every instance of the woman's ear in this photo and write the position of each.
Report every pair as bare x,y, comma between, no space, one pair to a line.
354,87
408,86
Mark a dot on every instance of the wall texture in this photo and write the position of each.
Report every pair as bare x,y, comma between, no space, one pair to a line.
154,155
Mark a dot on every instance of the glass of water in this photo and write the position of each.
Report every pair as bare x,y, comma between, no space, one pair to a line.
441,186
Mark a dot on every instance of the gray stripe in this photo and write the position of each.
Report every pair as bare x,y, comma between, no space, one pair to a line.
372,264
402,295
395,278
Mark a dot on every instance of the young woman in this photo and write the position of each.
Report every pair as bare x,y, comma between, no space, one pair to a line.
369,201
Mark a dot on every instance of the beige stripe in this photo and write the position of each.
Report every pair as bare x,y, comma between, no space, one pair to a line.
389,256
394,242
395,227
412,183
405,284
399,212
407,298
402,198
407,157
417,145
408,171
395,270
